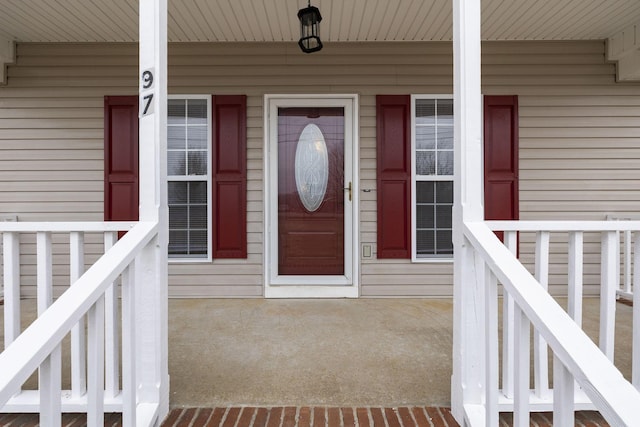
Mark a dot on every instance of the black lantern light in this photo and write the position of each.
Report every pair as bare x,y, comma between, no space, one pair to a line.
310,29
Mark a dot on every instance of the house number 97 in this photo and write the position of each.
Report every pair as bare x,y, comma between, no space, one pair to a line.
147,93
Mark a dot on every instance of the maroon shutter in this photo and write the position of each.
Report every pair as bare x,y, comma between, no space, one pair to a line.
394,175
229,163
121,158
501,158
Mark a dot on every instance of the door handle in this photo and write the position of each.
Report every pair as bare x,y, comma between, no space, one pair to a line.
349,188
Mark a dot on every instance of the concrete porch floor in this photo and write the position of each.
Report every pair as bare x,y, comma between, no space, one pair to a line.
324,353
365,352
310,352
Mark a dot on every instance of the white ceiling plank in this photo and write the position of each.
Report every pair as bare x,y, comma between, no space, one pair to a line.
379,12
196,21
121,16
175,30
421,21
27,18
270,15
444,21
404,17
357,17
226,11
74,28
344,20
565,19
218,25
621,16
266,30
251,20
367,18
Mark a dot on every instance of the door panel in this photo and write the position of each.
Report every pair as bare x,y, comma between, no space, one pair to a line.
311,242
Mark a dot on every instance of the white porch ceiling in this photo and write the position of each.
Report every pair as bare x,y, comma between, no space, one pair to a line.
343,20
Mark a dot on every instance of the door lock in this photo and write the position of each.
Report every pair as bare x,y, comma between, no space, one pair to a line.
349,188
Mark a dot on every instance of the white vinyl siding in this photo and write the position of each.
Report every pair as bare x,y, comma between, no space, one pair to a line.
579,135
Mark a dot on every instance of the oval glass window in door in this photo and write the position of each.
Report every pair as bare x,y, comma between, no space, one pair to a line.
311,167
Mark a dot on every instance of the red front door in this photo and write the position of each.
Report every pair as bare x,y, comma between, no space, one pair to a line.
311,191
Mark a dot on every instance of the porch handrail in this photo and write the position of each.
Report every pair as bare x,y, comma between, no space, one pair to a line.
30,349
546,225
66,227
613,396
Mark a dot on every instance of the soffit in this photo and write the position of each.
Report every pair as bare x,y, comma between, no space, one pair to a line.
343,20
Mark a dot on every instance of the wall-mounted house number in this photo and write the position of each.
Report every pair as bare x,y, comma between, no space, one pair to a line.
147,85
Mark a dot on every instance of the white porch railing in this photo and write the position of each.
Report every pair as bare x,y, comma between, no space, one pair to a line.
576,358
105,355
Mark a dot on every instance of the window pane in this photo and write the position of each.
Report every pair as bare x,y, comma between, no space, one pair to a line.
177,111
177,192
425,242
197,137
445,111
176,163
443,216
425,162
198,217
197,163
445,138
198,242
198,192
445,162
425,111
178,217
175,137
424,216
444,192
177,242
444,242
197,111
426,137
424,192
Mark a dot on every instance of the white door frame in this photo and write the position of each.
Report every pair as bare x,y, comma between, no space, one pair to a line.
342,286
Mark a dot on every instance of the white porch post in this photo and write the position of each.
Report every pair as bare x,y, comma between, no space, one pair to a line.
151,274
468,344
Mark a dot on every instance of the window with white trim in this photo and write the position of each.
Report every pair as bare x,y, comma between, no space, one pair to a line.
432,173
189,177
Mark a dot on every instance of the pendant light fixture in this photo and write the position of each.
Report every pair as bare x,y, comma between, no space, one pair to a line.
310,29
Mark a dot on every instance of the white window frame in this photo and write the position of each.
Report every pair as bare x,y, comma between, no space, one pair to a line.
174,178
415,178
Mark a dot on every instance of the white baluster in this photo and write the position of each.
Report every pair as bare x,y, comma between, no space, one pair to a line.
95,364
49,373
608,287
575,275
521,380
129,378
112,342
44,271
11,271
627,261
563,395
78,336
491,348
511,242
540,349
